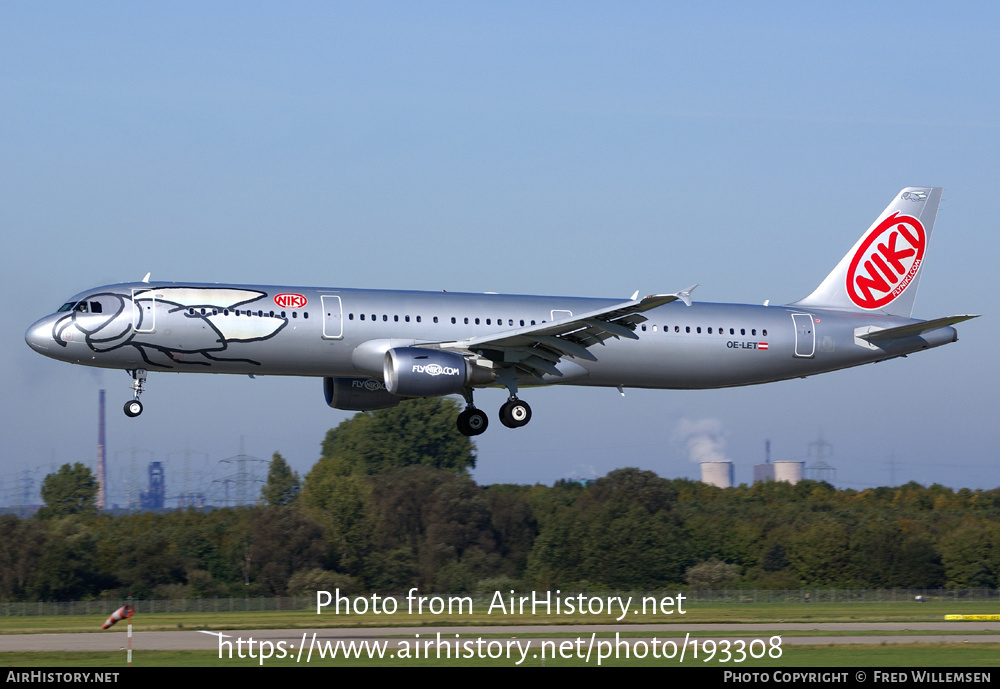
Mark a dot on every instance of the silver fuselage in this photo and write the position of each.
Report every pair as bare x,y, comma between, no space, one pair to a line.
307,331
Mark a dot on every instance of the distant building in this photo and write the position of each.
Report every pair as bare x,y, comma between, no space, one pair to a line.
763,472
156,497
717,474
788,471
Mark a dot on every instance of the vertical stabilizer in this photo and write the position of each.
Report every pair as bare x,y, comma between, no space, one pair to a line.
880,273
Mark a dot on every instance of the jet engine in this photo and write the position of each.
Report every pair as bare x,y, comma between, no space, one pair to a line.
357,394
417,372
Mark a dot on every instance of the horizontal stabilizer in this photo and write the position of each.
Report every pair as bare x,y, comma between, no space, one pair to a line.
914,329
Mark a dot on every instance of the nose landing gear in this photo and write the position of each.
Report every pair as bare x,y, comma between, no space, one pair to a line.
134,407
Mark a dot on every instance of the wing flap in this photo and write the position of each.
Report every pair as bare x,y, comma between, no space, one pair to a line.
536,349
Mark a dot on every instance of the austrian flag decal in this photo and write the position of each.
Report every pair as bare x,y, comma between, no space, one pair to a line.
886,262
761,345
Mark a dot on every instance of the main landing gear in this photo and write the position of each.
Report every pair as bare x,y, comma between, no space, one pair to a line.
472,421
513,414
134,407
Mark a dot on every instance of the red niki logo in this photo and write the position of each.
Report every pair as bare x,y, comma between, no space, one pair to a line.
886,262
290,301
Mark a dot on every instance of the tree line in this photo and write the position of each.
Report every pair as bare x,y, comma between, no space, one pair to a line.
390,505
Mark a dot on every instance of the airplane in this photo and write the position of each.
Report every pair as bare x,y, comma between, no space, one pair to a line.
376,348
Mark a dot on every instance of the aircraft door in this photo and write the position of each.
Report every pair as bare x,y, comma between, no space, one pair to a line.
805,335
143,310
333,317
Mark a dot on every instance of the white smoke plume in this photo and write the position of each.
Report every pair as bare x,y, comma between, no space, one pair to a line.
704,438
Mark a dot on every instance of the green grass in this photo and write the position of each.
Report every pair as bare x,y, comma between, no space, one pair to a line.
739,613
748,616
882,656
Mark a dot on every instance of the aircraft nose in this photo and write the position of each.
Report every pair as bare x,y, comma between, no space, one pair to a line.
39,336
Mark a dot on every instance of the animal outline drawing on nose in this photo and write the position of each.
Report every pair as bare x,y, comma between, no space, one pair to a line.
156,310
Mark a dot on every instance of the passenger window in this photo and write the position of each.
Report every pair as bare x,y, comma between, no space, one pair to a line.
305,315
510,321
385,318
466,320
699,329
709,331
687,328
522,321
754,332
677,328
362,316
406,318
395,318
418,319
295,314
488,322
743,331
477,321
764,332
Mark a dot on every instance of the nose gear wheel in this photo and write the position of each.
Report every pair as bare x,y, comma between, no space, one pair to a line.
134,407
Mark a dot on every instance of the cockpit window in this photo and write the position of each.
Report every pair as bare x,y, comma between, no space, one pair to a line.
99,303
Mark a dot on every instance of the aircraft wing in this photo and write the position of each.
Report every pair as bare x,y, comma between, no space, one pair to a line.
913,329
536,349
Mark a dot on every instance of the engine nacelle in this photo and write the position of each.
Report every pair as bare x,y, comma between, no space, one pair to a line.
357,394
417,372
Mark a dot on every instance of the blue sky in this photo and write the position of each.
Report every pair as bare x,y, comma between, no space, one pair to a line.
544,148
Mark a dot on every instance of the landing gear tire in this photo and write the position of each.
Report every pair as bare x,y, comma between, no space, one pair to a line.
134,407
515,413
472,422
